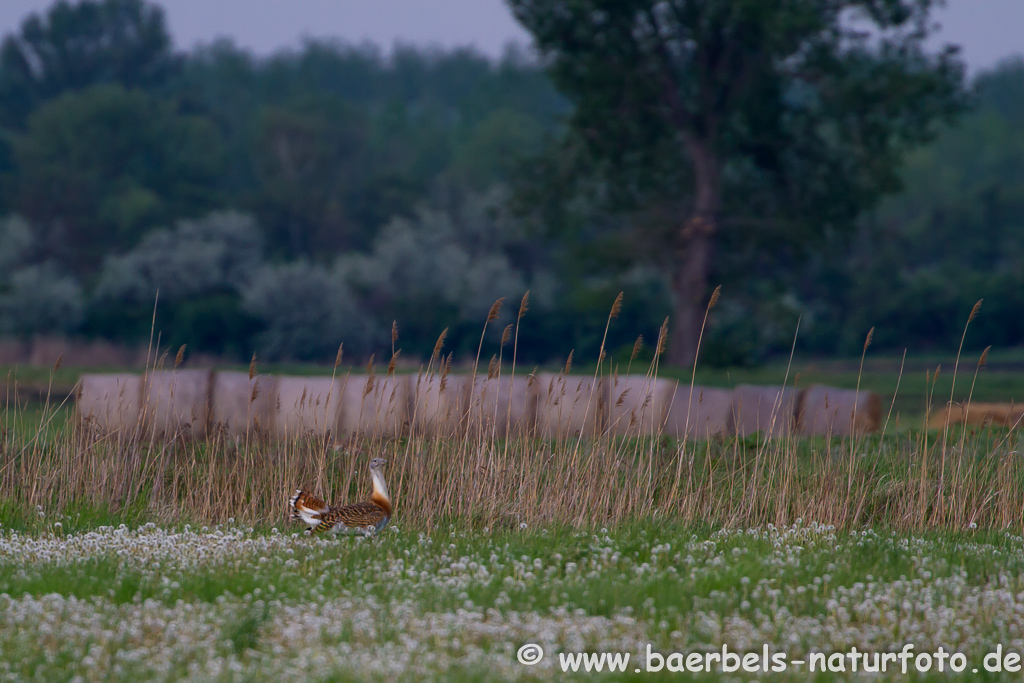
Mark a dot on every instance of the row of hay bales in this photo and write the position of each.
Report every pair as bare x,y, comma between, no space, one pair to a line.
203,403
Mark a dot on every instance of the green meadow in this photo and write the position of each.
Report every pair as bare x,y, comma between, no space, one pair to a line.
229,602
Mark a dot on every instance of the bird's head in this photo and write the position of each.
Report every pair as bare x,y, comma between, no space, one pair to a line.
378,463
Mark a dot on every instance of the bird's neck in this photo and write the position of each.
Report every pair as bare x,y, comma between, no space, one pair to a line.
380,494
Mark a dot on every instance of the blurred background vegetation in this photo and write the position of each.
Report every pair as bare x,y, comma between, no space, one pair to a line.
286,204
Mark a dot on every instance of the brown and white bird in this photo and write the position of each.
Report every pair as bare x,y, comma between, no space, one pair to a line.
368,517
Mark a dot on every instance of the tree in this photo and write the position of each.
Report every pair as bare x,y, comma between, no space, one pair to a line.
955,234
474,240
97,168
311,163
78,45
221,251
784,118
40,299
307,310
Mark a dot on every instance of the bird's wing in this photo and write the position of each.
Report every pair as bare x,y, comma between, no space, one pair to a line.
307,507
358,516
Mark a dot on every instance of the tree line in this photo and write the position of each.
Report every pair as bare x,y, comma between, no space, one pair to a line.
289,203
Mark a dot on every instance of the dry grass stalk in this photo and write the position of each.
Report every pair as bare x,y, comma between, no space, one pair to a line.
612,315
662,335
616,307
637,346
439,344
492,315
523,307
622,397
940,501
495,311
446,368
659,348
714,297
974,311
370,377
179,357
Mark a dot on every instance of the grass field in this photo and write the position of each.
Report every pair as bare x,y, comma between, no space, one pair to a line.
124,558
230,603
808,548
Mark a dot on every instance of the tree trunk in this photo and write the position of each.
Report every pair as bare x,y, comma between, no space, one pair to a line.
689,284
694,255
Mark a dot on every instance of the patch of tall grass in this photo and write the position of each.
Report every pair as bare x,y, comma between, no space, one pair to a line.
912,480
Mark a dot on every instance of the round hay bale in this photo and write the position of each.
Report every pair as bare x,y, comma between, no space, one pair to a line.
638,405
769,410
241,406
982,414
374,406
841,412
438,406
700,415
501,406
176,403
570,406
307,406
110,403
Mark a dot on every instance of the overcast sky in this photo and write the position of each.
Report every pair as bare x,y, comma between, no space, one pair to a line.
988,30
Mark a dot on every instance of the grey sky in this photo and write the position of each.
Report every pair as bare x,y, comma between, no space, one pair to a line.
988,30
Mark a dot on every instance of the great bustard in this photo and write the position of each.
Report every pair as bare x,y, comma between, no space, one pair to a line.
368,517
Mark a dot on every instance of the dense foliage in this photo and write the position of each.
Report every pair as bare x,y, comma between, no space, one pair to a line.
287,204
764,116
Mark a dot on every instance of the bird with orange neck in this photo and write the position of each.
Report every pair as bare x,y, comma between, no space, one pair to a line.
368,517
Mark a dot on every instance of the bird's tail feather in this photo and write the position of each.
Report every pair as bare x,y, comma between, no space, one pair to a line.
306,507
